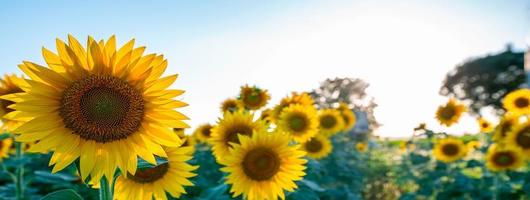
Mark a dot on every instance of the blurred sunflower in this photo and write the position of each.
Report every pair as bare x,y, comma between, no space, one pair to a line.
5,146
449,149
266,115
263,165
10,85
231,105
473,145
154,182
361,147
203,133
318,147
450,113
253,98
225,133
330,121
295,98
505,157
520,137
187,140
506,124
348,117
517,102
299,121
90,103
484,125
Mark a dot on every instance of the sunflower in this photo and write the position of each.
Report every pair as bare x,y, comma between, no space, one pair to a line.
484,125
507,123
504,157
473,145
295,98
253,98
187,140
225,133
266,115
203,133
318,147
517,102
449,150
5,146
9,85
263,166
450,113
330,121
93,103
299,121
361,147
231,105
154,182
349,119
520,137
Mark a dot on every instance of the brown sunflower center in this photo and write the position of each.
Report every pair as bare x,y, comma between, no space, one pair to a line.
522,102
313,146
505,127
450,149
206,131
448,112
229,106
503,158
237,129
149,175
328,121
102,108
6,103
297,122
252,98
261,164
485,125
523,138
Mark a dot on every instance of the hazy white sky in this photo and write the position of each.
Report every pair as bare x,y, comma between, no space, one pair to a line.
403,49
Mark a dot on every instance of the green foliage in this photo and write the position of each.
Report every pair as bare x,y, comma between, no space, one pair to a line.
66,194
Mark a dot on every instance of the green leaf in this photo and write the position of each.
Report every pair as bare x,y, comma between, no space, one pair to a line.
310,184
66,194
4,136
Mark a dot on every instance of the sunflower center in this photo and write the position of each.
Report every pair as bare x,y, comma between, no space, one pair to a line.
448,112
239,129
485,125
522,102
297,122
523,138
149,175
6,103
328,121
261,164
206,131
503,158
505,128
252,98
313,146
450,149
102,108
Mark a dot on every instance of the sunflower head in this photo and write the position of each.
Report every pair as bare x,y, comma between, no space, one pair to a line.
253,98
317,147
295,98
9,85
349,119
330,121
503,157
226,133
231,105
517,102
506,125
450,113
449,149
89,102
520,137
5,146
361,147
484,125
187,140
473,145
263,165
203,133
266,116
299,121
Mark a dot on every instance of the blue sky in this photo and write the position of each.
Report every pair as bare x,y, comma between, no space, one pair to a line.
403,48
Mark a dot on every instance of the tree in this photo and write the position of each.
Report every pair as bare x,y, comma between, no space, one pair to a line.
484,81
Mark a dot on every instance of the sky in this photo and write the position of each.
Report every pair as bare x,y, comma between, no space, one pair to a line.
402,48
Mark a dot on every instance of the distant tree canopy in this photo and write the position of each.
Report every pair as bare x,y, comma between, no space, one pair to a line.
483,82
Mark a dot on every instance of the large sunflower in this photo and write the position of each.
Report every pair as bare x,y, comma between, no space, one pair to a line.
263,166
5,147
93,103
449,149
204,132
154,182
517,102
299,121
506,124
330,121
9,85
295,98
253,98
504,157
520,137
231,105
484,125
225,133
450,113
318,147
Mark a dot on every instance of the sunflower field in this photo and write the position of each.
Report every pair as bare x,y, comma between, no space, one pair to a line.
99,121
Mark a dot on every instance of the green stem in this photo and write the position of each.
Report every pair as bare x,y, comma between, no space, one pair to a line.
19,180
105,192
